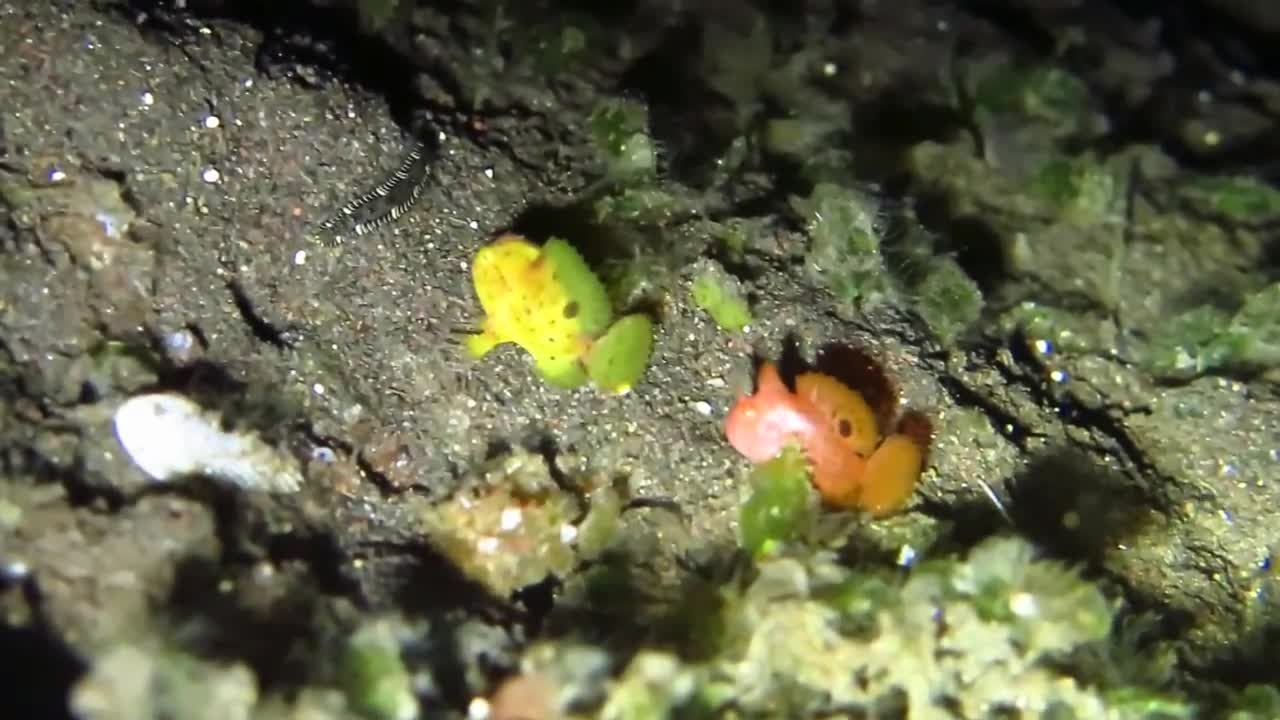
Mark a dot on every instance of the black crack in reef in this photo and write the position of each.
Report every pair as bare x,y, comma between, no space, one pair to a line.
165,181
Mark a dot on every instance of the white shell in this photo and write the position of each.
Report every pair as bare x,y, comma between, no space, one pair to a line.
168,437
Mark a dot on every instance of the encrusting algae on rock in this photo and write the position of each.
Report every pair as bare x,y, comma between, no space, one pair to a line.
853,464
547,300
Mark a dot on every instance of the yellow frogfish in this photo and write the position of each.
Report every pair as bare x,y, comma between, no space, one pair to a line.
547,300
853,465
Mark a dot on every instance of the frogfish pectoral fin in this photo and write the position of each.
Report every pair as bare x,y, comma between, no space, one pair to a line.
891,475
479,344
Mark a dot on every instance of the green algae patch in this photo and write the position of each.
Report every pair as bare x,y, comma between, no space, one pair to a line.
619,129
844,244
720,295
373,675
1041,92
781,507
948,300
999,630
1080,188
1209,339
1242,199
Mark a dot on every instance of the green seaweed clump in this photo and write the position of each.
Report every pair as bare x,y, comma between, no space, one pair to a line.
720,295
1242,199
1066,331
844,244
781,507
619,129
129,682
1256,702
374,15
1208,338
640,205
375,679
974,636
1080,188
1041,92
999,633
948,299
654,685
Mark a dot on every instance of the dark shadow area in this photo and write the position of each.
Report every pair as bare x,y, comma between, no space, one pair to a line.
276,639
616,254
576,223
272,624
1076,508
693,123
423,582
426,584
22,460
37,669
1068,504
619,604
888,125
1253,659
976,246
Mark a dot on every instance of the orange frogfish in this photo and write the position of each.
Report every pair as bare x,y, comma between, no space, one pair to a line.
853,465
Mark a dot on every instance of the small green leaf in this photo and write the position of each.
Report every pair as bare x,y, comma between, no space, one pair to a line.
717,293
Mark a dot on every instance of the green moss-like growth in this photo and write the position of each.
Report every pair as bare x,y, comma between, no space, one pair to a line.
970,635
733,236
559,48
1042,92
1080,188
720,295
948,299
143,683
1207,339
1144,704
1241,199
1256,702
598,529
781,507
374,15
654,685
844,244
373,675
619,129
639,206
1066,331
1048,608
801,635
797,138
